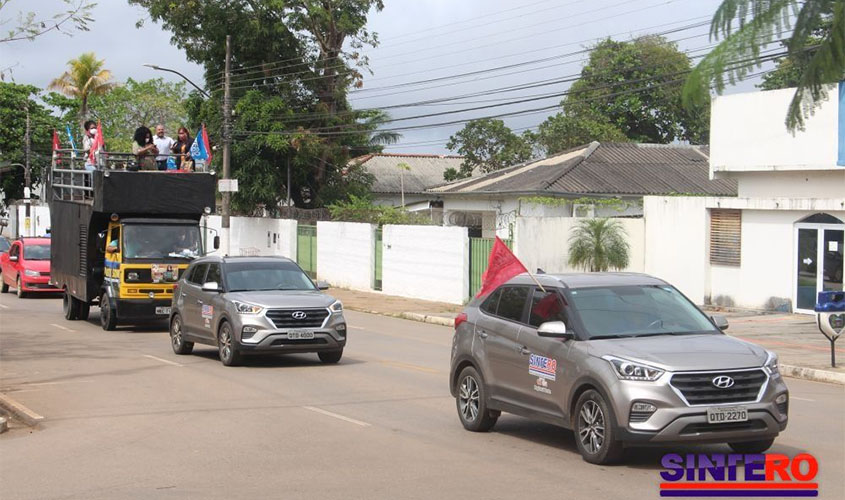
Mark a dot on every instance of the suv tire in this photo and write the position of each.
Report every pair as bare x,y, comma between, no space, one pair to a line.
330,357
108,316
593,423
229,355
177,341
752,447
70,307
471,402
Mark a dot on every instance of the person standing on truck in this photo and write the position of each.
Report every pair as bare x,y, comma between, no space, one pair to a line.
88,136
144,149
182,147
164,145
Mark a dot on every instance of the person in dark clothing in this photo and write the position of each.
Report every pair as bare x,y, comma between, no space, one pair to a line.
182,147
144,149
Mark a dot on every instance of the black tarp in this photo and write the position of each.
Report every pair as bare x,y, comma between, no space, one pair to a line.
154,193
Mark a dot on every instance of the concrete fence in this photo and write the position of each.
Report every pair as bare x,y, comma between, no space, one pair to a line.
543,242
346,254
257,235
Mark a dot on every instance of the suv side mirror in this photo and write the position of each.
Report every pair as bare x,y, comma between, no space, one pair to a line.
211,286
720,321
322,285
555,330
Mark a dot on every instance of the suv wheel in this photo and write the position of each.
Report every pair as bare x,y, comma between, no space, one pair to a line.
229,356
179,344
472,402
108,316
330,357
594,434
752,447
70,307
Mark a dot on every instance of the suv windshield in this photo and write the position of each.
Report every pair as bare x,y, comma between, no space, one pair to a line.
150,241
36,252
269,275
633,311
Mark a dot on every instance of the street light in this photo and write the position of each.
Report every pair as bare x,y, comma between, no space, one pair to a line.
159,68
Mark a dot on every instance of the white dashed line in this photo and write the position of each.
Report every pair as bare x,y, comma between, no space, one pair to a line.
4,306
356,327
162,360
335,415
62,327
803,399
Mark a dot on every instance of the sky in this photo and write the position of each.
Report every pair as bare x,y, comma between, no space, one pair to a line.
421,40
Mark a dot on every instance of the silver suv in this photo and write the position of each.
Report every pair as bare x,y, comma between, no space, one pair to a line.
248,305
619,359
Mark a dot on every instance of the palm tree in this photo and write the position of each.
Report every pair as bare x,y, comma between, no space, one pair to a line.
84,77
598,244
747,26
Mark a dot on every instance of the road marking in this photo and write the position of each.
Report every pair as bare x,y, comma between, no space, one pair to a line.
4,306
335,415
162,360
62,327
804,399
23,413
356,327
408,366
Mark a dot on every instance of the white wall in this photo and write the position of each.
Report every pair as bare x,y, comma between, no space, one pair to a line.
426,262
543,242
747,132
39,216
257,235
346,254
676,250
801,184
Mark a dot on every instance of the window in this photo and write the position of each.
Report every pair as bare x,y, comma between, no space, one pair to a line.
266,275
490,304
198,274
725,236
36,252
114,237
214,275
16,249
512,303
546,306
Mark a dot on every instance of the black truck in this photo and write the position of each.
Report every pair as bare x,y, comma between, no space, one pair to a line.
121,238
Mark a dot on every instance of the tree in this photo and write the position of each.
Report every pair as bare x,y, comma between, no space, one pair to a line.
84,78
789,69
561,132
29,27
597,245
487,145
748,26
636,87
14,100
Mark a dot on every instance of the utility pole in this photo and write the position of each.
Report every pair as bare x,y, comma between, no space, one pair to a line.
27,190
227,115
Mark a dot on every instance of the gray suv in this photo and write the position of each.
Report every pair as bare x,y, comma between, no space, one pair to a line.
618,358
247,305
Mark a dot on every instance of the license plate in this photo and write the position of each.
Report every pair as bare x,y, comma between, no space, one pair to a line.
727,414
162,310
300,334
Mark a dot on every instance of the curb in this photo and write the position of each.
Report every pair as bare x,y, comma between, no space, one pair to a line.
20,411
423,318
812,374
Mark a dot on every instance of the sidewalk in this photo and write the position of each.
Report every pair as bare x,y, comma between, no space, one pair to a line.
802,349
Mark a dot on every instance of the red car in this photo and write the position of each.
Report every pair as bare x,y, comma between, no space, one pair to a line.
26,266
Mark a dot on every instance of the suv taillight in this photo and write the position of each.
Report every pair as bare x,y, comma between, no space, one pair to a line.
460,318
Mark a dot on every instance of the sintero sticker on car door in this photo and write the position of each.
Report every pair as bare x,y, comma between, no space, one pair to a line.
541,366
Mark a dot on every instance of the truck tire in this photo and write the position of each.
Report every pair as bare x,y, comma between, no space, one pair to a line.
108,316
70,306
84,310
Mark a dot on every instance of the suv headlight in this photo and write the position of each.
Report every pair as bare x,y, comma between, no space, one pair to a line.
630,370
31,273
336,307
246,308
771,365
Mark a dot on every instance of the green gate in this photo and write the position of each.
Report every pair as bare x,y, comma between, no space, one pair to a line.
479,257
306,249
379,250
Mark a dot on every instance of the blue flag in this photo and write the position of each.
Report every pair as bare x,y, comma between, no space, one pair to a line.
70,137
199,149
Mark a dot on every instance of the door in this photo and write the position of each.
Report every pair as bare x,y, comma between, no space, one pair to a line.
547,368
208,302
6,264
498,340
819,259
192,321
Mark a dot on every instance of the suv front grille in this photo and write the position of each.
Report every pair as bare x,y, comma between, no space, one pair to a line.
704,428
284,318
698,388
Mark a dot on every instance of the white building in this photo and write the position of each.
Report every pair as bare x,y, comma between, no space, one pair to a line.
780,241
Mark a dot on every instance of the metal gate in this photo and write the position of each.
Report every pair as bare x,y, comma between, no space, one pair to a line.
306,249
379,250
479,257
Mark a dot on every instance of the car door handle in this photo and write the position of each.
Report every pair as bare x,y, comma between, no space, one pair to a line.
199,302
524,350
482,334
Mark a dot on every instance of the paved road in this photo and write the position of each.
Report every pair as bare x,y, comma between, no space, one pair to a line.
126,418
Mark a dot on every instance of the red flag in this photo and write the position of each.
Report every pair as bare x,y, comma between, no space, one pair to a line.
98,144
207,146
502,266
56,143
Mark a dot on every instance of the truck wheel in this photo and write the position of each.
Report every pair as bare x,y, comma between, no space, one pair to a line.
19,288
70,306
108,316
84,310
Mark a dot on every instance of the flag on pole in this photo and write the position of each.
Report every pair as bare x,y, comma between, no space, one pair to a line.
56,143
70,137
201,148
502,266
